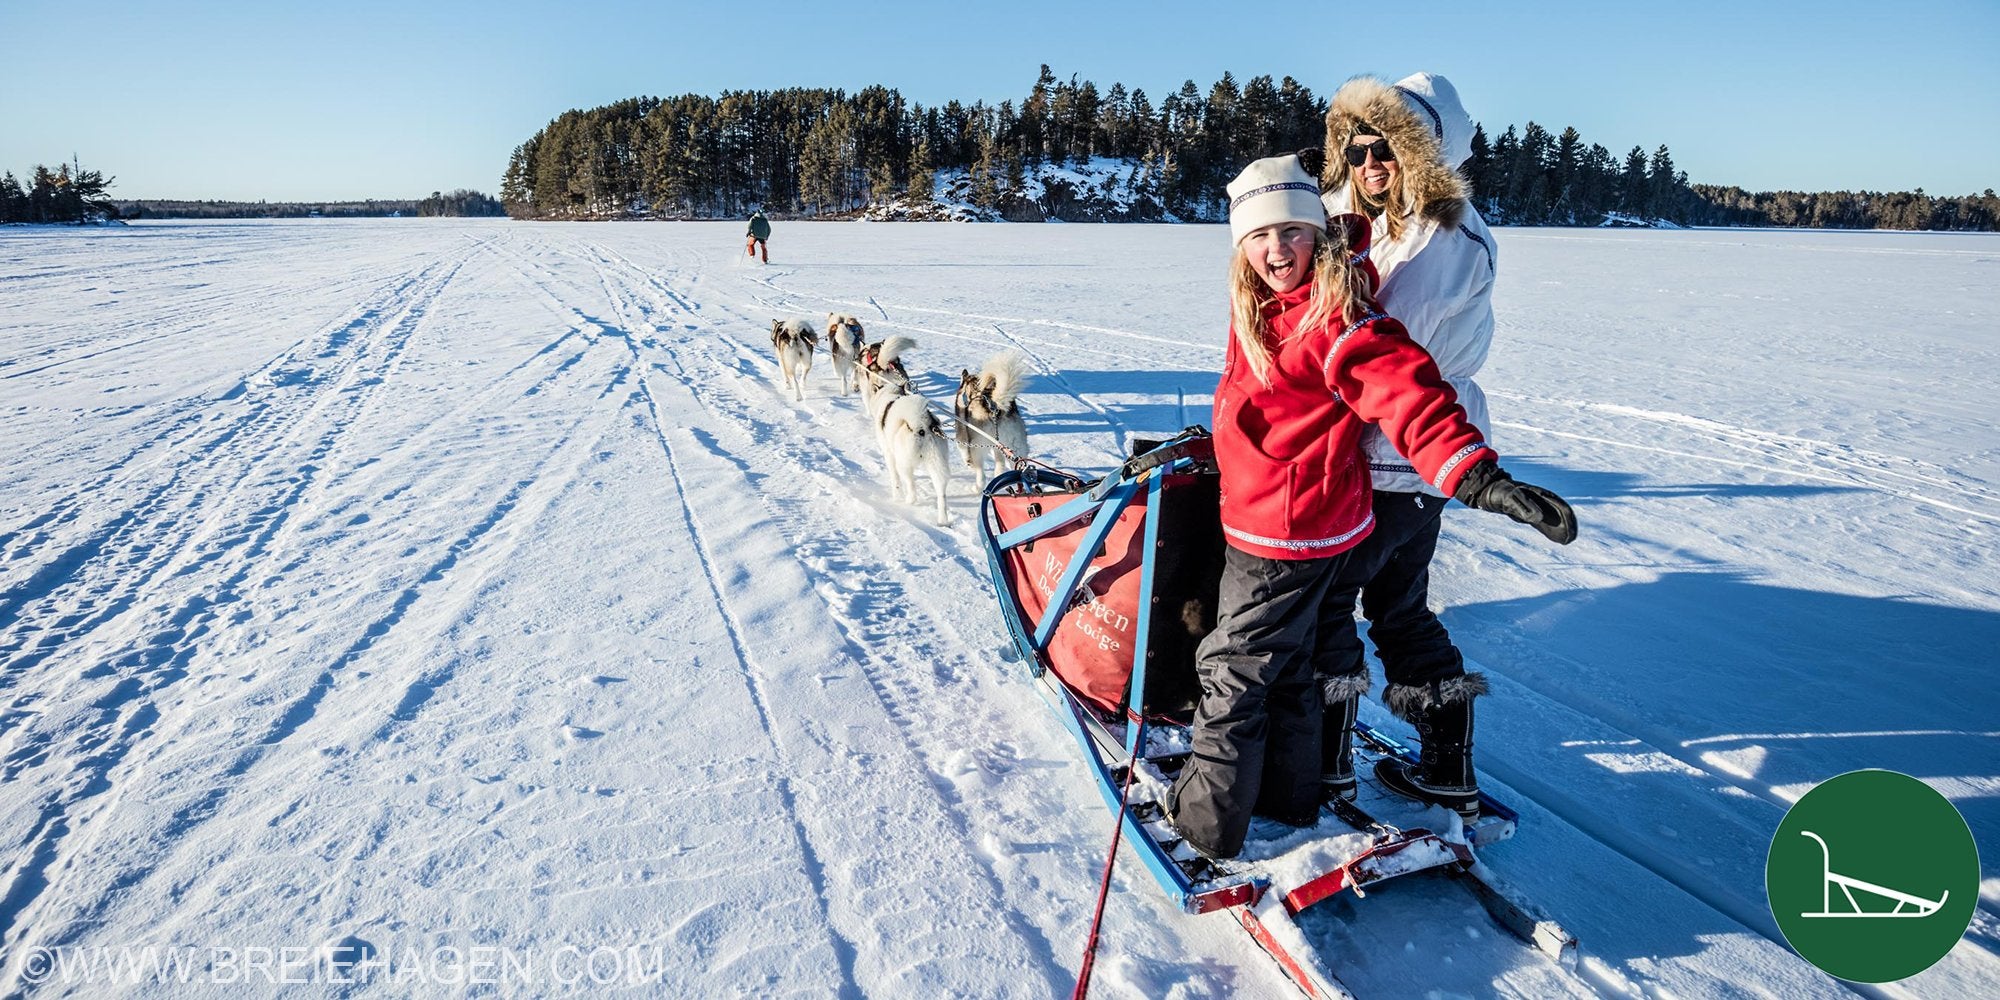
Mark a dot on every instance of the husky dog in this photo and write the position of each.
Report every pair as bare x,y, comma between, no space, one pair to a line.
881,364
843,340
794,341
910,436
987,412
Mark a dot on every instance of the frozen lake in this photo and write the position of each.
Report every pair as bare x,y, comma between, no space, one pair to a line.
416,585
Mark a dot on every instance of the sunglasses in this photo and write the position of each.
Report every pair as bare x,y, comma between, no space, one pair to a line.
1358,154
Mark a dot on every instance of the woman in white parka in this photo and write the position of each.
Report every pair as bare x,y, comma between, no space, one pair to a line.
1392,153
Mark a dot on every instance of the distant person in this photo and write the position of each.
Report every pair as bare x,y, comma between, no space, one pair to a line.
1392,153
759,235
1311,362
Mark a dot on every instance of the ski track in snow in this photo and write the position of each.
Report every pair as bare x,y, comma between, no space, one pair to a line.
325,624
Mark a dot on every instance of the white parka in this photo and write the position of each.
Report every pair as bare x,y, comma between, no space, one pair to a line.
1438,278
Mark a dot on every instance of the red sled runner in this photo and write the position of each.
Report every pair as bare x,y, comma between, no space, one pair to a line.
1107,588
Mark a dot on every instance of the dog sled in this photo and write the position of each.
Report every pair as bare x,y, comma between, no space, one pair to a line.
1107,587
1848,886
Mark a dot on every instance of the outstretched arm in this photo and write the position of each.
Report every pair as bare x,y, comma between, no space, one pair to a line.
1391,382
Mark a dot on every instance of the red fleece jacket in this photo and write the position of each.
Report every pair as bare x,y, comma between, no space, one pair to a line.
1295,481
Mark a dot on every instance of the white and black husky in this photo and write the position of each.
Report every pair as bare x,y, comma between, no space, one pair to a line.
989,415
911,436
843,340
794,341
881,364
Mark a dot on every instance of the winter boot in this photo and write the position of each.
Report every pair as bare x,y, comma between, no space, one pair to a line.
1441,711
1343,703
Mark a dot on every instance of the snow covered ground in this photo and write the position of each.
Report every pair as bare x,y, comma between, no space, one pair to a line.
462,607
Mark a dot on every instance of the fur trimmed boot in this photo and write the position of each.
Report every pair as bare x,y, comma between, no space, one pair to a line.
1343,703
1441,711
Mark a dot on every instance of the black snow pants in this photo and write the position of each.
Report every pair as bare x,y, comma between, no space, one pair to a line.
1257,725
1391,572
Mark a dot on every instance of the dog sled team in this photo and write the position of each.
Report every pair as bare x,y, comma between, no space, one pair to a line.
911,438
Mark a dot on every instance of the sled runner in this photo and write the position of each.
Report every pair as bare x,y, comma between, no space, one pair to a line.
1107,587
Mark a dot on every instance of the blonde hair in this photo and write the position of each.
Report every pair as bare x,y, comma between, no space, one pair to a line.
1393,204
1338,282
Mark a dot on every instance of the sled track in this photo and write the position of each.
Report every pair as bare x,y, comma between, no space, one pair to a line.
383,305
98,342
148,538
923,667
446,581
273,429
136,550
815,870
1786,454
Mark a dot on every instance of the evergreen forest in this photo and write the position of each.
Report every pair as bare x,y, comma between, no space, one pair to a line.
803,152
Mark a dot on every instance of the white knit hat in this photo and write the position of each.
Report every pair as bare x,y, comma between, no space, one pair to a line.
1272,190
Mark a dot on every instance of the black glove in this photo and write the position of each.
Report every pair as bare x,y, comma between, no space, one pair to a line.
1489,487
1313,160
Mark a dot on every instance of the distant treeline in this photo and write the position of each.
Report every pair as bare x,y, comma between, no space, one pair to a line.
810,152
169,208
1733,206
456,203
68,193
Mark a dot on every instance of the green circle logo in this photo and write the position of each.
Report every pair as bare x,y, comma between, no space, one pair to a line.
1872,876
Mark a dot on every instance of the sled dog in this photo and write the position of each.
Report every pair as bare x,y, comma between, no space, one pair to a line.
843,340
988,412
911,436
881,364
794,340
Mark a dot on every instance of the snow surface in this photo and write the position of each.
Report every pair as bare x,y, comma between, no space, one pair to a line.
420,593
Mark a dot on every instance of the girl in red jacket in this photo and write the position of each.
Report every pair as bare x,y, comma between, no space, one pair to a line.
1310,363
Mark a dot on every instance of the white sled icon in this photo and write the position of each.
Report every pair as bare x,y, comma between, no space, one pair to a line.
1829,878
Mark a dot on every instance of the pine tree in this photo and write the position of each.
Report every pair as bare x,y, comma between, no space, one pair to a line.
1033,123
1167,182
1302,117
1145,189
1220,142
1082,124
1662,185
923,178
1597,184
1257,132
882,185
985,185
1500,174
1112,120
1527,198
1479,170
1564,169
13,200
1634,197
1142,126
826,162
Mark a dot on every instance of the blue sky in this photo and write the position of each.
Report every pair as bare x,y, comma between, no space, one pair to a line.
332,100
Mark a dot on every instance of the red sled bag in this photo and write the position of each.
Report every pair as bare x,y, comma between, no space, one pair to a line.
1117,604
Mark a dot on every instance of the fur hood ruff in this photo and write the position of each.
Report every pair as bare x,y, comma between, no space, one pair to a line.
1425,124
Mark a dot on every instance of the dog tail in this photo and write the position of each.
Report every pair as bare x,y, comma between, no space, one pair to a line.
1007,370
893,349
